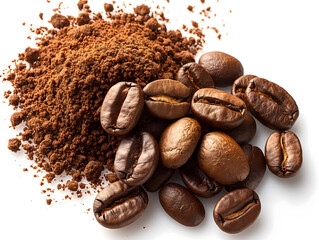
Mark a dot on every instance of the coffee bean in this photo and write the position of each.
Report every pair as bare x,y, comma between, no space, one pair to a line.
240,85
197,181
244,132
118,205
223,68
271,104
283,153
122,108
160,177
237,210
136,158
221,158
218,108
181,205
195,77
167,99
178,142
257,167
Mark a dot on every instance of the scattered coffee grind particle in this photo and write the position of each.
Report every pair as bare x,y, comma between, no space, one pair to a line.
81,4
142,10
16,118
49,201
41,16
108,7
72,185
14,144
111,177
190,8
59,21
83,18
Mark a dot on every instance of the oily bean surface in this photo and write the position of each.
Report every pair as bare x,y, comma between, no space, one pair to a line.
122,108
218,108
178,142
244,132
167,99
240,85
118,205
136,158
257,167
237,210
271,104
181,205
160,177
197,181
223,68
195,77
221,158
283,153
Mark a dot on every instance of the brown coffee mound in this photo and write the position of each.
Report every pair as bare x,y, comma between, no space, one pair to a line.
60,85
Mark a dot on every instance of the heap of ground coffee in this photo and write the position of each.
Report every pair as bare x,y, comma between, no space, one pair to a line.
59,86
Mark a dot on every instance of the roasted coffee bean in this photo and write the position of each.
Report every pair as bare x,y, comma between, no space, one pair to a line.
240,85
136,158
181,205
160,177
271,104
122,108
283,154
197,181
244,132
167,99
237,210
257,167
223,68
178,142
195,77
218,108
221,158
118,205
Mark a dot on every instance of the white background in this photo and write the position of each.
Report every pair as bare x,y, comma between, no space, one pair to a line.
276,40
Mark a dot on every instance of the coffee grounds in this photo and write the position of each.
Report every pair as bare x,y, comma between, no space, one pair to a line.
60,85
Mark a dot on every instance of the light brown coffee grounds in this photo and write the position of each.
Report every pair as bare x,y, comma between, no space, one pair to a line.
108,7
60,85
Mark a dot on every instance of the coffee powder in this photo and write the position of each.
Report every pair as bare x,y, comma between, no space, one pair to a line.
59,86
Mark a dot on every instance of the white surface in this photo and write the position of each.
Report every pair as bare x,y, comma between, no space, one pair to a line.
277,40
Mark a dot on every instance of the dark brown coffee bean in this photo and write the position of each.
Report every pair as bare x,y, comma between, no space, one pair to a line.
223,68
136,158
160,177
178,142
244,132
240,85
221,158
283,154
218,108
122,108
167,99
257,167
237,210
118,205
197,181
195,77
271,104
181,205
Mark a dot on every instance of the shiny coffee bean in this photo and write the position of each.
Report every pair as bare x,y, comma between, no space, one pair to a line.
271,104
237,210
221,158
244,132
136,158
167,99
197,181
223,68
283,154
218,108
195,77
118,205
160,177
257,167
178,142
240,85
122,108
181,205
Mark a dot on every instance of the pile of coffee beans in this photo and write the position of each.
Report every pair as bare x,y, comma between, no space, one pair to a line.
202,131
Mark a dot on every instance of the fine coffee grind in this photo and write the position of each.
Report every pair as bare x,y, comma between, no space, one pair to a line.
59,86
